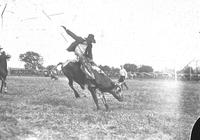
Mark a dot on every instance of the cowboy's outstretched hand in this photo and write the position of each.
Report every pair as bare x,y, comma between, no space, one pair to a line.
63,26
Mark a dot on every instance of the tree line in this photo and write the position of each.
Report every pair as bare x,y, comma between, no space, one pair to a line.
34,61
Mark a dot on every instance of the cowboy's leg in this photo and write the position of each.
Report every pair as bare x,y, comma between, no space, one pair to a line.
86,67
94,66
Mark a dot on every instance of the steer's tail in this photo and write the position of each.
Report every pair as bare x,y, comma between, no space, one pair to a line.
57,66
53,72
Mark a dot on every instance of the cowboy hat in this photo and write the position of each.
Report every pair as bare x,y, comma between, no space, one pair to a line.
91,38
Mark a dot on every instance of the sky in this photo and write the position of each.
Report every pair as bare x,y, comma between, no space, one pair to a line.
159,33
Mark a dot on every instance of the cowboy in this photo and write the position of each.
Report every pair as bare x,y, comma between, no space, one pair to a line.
83,50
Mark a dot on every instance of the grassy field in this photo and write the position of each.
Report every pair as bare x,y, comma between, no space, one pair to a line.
36,108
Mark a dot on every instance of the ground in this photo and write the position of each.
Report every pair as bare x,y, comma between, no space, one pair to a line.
37,108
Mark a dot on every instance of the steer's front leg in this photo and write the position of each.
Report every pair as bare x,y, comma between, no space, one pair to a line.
104,101
5,87
2,84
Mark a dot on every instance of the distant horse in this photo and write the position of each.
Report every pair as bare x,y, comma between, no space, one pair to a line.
3,70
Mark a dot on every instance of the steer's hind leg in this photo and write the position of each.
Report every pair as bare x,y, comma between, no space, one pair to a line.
72,87
93,92
83,88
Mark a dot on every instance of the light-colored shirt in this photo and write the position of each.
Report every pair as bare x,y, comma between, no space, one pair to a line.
80,49
123,72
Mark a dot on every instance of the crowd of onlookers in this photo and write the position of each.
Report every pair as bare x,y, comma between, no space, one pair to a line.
115,75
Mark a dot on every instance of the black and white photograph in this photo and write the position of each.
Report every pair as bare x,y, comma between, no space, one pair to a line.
100,70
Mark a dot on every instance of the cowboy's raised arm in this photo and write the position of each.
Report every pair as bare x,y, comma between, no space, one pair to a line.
73,35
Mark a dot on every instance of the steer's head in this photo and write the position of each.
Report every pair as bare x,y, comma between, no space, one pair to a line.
116,92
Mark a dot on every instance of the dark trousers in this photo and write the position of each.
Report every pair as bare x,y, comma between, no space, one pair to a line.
122,80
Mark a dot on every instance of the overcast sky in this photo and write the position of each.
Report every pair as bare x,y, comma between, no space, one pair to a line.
160,33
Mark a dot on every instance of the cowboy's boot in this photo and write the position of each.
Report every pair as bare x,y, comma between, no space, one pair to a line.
88,73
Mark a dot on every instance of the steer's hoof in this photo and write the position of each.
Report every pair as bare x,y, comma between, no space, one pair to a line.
77,97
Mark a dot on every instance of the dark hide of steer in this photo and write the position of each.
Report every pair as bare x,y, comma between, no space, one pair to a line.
3,71
104,84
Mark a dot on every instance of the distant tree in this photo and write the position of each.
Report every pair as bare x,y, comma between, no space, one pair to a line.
188,69
50,67
32,60
145,68
114,72
130,67
105,68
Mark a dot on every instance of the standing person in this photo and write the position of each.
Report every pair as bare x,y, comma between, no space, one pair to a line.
123,76
0,50
83,50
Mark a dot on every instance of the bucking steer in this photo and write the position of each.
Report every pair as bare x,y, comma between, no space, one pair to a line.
3,70
72,70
